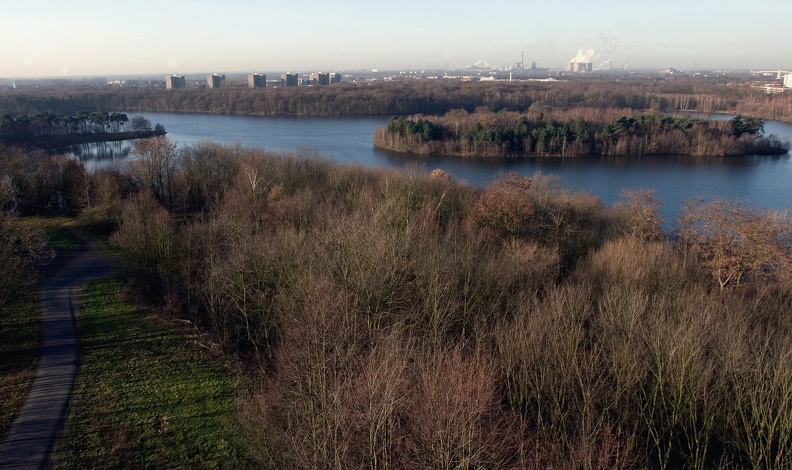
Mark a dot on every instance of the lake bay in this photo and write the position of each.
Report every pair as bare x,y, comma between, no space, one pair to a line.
756,180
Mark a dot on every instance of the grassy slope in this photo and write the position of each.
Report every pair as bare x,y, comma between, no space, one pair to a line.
20,328
143,399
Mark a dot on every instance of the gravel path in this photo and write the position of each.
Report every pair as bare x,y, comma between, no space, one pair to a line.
31,437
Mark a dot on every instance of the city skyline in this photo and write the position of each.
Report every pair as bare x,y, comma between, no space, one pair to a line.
52,38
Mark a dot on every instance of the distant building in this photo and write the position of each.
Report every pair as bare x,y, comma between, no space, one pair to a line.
788,80
771,88
289,79
256,80
215,81
320,78
175,81
335,78
579,67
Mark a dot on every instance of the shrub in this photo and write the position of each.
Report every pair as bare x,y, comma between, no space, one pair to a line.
505,207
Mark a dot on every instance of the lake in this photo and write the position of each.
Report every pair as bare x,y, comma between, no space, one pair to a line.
761,181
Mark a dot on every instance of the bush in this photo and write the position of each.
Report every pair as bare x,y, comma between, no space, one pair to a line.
505,207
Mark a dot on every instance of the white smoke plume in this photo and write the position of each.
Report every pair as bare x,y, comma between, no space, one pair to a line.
608,43
585,55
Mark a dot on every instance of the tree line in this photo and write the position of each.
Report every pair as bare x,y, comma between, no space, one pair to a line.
415,97
485,133
47,129
393,319
82,122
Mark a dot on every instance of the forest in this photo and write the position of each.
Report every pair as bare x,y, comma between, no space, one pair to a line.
577,132
401,319
430,97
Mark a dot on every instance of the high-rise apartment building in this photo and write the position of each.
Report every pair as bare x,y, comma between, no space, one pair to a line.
175,81
320,78
289,79
256,80
215,81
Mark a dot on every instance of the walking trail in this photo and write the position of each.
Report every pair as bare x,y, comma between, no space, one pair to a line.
31,437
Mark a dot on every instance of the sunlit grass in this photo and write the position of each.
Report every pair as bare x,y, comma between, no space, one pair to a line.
56,229
143,398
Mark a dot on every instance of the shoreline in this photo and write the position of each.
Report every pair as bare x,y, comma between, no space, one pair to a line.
65,140
583,155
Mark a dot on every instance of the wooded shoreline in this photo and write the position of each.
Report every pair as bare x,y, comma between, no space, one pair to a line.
579,132
64,140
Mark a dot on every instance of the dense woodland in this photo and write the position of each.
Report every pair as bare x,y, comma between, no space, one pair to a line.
431,97
398,319
577,132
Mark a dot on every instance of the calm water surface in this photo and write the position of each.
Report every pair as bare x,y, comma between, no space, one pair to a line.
762,181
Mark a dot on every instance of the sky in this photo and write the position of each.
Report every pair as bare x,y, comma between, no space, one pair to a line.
61,38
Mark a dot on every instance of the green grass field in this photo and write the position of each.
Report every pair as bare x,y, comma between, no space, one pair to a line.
56,230
20,327
144,399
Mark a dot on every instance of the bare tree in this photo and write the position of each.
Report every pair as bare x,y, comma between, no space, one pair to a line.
153,166
22,249
734,242
639,215
139,123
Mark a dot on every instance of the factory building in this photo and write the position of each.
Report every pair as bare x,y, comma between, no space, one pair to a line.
289,79
256,80
215,81
175,81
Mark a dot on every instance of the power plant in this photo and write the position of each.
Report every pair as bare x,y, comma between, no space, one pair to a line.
579,67
583,61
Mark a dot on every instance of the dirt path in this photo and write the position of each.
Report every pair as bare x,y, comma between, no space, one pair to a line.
32,435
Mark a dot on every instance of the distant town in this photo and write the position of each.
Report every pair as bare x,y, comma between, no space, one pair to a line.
770,81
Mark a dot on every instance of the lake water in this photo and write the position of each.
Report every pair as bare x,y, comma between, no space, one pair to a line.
761,181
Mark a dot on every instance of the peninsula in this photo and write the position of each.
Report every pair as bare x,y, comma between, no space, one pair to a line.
48,130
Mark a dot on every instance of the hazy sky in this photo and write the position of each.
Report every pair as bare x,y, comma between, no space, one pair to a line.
104,37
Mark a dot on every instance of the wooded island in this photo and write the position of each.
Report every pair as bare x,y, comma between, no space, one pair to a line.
575,133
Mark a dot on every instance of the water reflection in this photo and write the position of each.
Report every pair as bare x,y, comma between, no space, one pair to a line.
100,153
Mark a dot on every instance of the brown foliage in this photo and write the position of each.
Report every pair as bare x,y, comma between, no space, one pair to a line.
146,235
451,414
385,327
23,250
153,166
639,215
505,207
735,242
43,184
